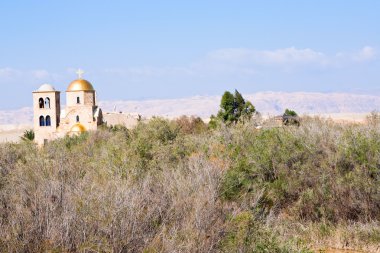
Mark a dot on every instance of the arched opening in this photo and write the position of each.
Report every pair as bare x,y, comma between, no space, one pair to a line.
78,100
48,121
47,102
77,118
42,121
41,102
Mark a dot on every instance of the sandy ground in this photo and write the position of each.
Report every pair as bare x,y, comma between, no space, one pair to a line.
344,117
12,133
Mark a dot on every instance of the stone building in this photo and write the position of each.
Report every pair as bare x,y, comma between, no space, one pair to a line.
81,112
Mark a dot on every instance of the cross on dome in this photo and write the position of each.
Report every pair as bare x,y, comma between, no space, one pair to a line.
79,73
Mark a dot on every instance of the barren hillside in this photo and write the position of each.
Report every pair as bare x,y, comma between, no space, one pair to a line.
268,103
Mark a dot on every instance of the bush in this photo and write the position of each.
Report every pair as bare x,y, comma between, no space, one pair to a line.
290,117
28,135
168,186
317,172
191,125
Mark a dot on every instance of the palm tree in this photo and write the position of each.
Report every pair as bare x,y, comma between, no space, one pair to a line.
28,135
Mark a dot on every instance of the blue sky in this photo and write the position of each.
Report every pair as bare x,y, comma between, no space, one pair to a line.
168,49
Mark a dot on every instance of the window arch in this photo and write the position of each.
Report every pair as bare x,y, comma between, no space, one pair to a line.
48,121
42,121
41,102
77,118
47,102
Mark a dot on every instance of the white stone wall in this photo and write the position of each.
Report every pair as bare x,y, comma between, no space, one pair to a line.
85,98
89,98
86,118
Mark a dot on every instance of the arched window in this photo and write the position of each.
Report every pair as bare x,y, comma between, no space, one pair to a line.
41,102
48,121
47,102
77,118
78,100
42,121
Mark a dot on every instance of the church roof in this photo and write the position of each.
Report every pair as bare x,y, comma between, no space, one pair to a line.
80,85
45,88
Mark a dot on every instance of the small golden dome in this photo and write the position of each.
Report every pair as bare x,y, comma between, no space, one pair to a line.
80,85
78,128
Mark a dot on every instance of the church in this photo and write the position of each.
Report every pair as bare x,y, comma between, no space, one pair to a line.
81,113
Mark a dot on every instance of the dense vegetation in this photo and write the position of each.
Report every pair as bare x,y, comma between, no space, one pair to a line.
177,186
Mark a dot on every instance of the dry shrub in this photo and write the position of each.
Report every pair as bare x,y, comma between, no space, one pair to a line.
66,197
165,187
373,119
191,125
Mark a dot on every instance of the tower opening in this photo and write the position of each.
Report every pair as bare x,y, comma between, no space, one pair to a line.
77,118
48,121
41,103
42,121
78,100
47,102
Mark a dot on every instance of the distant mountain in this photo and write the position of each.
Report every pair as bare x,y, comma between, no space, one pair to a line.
315,103
22,116
271,103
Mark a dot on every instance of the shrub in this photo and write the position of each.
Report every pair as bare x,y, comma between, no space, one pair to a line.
191,125
28,135
164,186
290,117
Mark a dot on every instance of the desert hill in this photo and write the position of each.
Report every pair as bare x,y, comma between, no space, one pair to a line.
336,105
268,103
271,103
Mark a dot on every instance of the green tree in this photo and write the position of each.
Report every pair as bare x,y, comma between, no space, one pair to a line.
227,106
233,108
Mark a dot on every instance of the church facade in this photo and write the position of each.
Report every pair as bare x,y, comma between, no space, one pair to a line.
81,113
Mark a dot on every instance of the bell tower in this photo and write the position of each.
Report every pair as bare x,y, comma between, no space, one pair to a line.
47,113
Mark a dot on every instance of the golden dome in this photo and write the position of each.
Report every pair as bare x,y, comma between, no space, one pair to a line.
78,128
80,85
